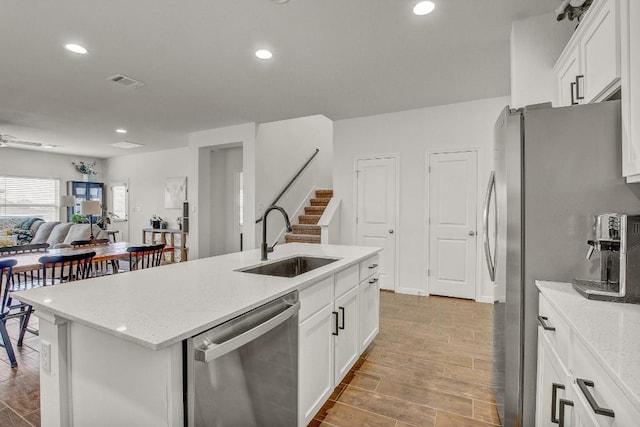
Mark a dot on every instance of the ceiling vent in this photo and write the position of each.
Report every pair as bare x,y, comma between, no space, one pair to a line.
125,81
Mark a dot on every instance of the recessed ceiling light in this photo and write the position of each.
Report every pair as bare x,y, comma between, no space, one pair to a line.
121,130
126,144
76,48
264,54
50,146
424,8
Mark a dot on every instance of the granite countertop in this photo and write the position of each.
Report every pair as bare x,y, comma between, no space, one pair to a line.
158,307
610,330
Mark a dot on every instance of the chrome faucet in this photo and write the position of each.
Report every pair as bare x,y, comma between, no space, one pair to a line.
265,248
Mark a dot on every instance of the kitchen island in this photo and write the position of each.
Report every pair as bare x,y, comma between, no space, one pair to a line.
112,347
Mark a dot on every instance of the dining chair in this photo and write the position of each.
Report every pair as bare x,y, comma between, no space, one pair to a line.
146,256
100,268
24,280
66,268
22,249
11,309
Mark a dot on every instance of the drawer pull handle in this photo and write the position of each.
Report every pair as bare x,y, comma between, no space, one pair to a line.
335,313
373,280
578,96
554,399
373,265
341,311
563,403
543,322
573,99
583,384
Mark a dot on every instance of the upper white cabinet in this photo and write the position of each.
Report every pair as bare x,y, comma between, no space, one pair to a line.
589,68
630,41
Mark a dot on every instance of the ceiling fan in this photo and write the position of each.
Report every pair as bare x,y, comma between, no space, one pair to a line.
7,140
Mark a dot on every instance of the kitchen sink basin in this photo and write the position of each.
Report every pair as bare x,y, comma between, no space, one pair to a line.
290,267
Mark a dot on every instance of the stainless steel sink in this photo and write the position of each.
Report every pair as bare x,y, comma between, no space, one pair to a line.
290,267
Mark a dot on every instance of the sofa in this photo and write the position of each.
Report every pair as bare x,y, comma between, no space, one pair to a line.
17,230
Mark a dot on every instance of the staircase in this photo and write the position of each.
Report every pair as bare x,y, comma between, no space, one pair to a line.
306,231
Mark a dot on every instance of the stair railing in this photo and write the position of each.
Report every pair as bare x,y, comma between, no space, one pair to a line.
286,188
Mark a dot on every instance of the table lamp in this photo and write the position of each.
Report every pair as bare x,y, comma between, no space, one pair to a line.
90,208
67,202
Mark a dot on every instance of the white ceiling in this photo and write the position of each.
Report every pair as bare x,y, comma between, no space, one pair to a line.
340,58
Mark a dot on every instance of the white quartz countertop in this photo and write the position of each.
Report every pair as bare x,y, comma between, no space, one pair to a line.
161,306
610,330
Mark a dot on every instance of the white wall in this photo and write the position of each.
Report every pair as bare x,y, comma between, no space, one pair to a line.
200,146
38,164
536,44
146,174
412,135
282,148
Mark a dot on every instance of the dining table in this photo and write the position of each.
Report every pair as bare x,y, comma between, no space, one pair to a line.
113,251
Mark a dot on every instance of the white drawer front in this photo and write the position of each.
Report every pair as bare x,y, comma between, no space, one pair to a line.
369,267
346,280
555,329
315,297
604,392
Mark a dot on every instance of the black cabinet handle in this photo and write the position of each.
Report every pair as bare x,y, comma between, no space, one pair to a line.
583,384
554,399
373,280
373,265
341,311
335,313
578,96
573,99
563,403
543,322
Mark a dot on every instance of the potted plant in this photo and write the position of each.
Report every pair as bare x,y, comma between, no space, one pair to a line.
85,169
78,219
572,9
155,221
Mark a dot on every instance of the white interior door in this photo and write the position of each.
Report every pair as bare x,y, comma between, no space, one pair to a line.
452,218
118,208
377,207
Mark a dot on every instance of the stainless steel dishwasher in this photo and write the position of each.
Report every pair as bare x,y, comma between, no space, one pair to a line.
244,372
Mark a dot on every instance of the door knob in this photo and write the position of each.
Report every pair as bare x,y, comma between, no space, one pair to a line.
390,231
472,233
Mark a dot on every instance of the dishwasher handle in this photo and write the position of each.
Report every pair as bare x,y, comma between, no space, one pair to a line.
215,350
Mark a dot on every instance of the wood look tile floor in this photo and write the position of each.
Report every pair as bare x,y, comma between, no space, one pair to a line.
430,365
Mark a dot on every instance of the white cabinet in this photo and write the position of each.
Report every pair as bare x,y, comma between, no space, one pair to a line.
589,68
315,364
328,341
630,28
554,384
346,333
369,301
573,389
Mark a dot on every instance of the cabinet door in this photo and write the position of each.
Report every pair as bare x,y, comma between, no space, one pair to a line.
566,75
630,16
346,342
600,53
315,364
552,385
369,311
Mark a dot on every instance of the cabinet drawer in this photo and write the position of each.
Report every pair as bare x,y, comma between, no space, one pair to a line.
555,329
604,391
315,297
346,280
369,267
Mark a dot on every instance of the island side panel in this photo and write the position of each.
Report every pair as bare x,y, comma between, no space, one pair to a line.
54,372
117,382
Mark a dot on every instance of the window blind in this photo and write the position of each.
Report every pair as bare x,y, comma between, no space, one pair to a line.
30,197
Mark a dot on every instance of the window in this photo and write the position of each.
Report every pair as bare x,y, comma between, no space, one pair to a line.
119,202
30,197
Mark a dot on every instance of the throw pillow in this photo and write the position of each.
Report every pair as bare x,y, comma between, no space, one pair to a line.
23,237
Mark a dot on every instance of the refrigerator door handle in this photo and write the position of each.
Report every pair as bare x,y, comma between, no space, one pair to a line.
491,188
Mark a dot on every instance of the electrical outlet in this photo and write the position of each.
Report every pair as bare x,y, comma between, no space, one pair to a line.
45,356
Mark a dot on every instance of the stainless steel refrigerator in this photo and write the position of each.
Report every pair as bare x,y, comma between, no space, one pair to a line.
555,169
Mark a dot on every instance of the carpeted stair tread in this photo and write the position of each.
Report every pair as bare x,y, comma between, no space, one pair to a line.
301,238
320,202
324,194
314,210
306,229
309,219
